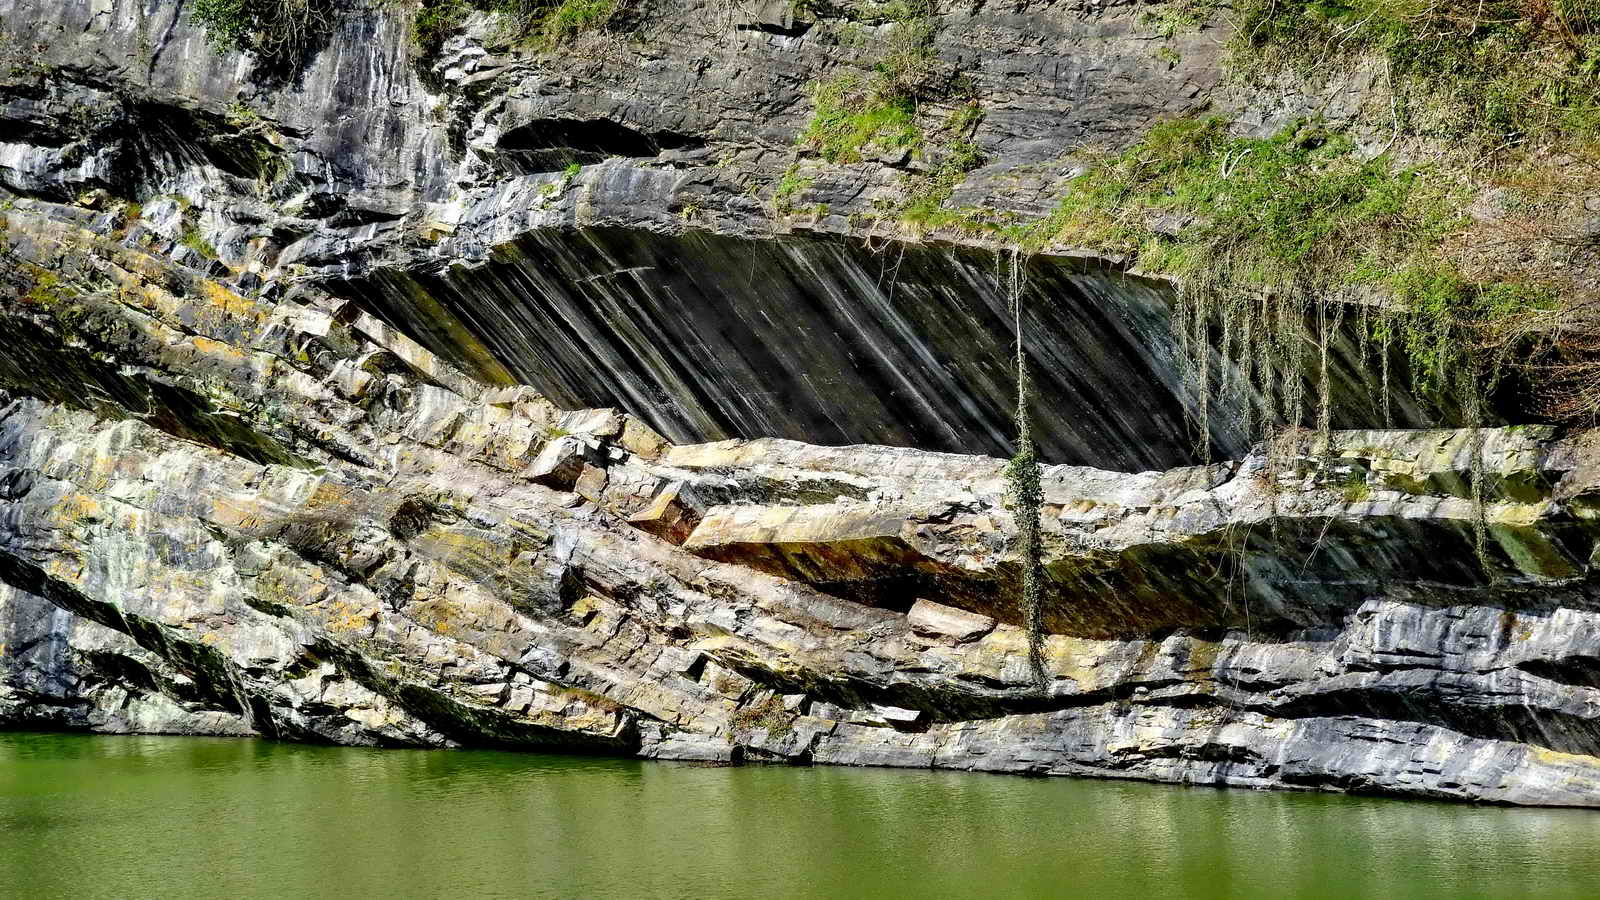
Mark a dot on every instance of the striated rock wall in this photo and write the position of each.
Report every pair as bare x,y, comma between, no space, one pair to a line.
664,274
380,550
334,407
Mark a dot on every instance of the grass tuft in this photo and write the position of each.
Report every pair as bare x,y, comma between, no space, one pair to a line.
1496,72
544,24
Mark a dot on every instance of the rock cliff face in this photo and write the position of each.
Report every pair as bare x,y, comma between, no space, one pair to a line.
334,406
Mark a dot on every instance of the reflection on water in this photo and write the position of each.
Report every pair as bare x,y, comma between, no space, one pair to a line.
186,817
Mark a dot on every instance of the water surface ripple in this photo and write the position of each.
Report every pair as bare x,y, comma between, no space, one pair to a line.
84,816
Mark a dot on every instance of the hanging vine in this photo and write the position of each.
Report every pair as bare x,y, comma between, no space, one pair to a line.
1287,247
1025,492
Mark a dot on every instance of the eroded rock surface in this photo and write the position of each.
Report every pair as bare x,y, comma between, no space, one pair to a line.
336,407
220,514
663,276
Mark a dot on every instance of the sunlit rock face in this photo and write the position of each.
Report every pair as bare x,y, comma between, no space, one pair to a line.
334,408
404,555
63,671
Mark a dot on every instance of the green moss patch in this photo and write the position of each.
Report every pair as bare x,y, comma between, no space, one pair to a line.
544,24
853,119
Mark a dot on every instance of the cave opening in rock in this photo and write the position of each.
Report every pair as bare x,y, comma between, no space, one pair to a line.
547,144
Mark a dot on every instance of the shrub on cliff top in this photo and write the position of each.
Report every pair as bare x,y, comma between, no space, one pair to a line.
281,32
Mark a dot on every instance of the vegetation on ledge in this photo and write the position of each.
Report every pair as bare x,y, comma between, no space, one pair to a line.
539,23
897,110
769,714
1263,235
1500,72
281,32
1300,204
1502,97
857,113
853,118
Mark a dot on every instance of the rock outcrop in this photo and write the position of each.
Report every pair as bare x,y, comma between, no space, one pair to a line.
663,274
338,409
224,514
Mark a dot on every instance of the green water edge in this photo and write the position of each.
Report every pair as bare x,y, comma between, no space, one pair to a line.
100,816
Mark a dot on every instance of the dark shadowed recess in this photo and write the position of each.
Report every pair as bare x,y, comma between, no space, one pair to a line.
544,145
828,341
145,145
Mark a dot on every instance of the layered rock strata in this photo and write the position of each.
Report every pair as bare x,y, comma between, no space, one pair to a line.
223,514
336,405
663,274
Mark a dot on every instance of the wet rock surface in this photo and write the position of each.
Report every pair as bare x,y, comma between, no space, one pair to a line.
833,342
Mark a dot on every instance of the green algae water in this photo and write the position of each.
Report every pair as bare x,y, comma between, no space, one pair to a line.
84,816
